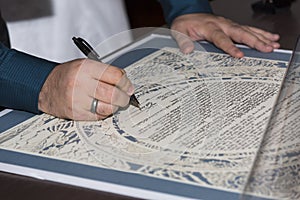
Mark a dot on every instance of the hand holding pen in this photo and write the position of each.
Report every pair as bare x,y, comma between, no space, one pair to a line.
88,51
85,89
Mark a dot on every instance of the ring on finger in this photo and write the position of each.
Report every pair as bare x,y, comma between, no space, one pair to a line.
94,106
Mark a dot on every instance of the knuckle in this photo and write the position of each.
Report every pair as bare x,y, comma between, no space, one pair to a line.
105,91
210,24
118,73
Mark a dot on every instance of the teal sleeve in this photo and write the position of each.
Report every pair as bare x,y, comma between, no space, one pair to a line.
175,8
21,79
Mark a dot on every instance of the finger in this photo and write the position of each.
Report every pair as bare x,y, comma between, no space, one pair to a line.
117,77
257,34
243,34
221,40
101,71
125,84
92,117
81,107
84,110
111,95
267,37
270,36
105,109
89,116
185,43
109,74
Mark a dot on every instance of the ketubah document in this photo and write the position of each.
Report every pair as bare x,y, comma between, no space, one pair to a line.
203,124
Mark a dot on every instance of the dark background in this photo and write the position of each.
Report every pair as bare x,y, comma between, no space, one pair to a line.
286,21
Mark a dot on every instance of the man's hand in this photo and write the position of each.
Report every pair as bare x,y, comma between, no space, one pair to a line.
71,87
223,33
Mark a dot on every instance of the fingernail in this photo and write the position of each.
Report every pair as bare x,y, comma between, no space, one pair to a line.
276,36
276,45
269,48
187,48
237,53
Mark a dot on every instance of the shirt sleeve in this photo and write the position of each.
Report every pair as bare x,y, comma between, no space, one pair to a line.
175,8
21,79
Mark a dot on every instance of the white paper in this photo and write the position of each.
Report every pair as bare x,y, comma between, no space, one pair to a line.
201,122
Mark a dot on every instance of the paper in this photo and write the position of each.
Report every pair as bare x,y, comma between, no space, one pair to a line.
277,164
201,122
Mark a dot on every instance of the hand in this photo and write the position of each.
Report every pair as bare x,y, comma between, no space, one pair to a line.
71,87
223,33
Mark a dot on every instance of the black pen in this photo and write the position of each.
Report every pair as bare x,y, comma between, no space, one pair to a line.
88,51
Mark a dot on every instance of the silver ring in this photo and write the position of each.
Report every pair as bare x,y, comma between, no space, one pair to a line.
94,105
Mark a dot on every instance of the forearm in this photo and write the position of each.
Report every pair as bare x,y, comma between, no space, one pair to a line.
21,79
175,8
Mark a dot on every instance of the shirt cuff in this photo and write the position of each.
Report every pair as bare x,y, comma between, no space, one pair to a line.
21,79
175,8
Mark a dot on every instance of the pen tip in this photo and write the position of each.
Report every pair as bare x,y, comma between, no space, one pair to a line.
133,101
